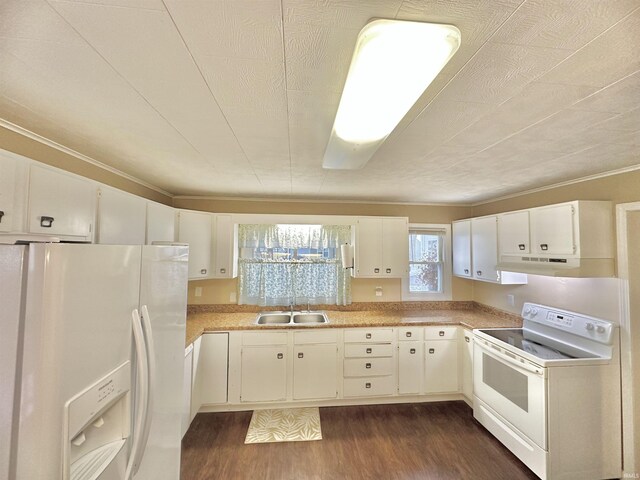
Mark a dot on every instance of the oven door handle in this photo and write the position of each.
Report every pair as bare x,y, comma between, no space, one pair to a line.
498,355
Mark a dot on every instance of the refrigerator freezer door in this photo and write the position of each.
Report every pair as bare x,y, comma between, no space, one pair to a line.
163,291
11,266
77,329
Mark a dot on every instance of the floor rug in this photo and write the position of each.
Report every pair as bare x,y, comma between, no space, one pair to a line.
284,425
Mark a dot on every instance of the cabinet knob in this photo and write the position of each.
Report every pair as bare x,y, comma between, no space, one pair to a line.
376,270
544,246
367,385
441,333
521,246
46,222
1,215
369,350
479,273
388,270
432,350
368,335
203,271
223,270
367,365
300,355
466,270
280,356
412,351
408,334
467,339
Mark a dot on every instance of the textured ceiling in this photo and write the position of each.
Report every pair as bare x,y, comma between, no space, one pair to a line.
238,97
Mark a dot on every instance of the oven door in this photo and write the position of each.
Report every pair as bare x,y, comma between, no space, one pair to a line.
513,387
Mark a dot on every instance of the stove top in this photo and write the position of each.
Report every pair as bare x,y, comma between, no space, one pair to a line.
528,342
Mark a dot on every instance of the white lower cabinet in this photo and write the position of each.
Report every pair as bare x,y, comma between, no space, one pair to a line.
315,369
441,366
264,373
186,389
368,369
195,383
466,354
212,368
410,367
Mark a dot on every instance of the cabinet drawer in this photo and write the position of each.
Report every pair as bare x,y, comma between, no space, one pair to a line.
362,367
410,333
368,335
367,351
316,336
369,387
264,338
440,333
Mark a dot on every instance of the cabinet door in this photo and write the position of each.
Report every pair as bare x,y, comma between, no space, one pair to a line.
484,244
186,389
195,229
315,371
395,247
225,247
553,229
121,218
513,233
264,374
161,223
212,369
368,247
195,379
60,204
13,193
467,364
441,366
410,367
461,241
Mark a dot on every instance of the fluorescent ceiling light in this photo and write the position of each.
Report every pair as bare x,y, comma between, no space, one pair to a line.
393,63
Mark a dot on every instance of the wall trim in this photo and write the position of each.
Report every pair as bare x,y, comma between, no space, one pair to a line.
69,151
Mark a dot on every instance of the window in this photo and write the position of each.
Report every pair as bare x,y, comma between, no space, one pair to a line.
429,265
299,264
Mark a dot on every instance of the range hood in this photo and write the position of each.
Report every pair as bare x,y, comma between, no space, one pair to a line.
558,266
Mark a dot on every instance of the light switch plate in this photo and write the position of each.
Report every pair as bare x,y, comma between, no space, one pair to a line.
511,301
378,291
198,292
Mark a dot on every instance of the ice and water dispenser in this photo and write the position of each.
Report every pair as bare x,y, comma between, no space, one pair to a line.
96,428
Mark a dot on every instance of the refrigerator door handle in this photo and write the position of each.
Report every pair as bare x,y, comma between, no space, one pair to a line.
151,378
142,394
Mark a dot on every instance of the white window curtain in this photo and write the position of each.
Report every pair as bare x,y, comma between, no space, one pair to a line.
283,264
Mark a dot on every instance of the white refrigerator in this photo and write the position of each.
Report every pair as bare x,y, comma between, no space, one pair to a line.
91,361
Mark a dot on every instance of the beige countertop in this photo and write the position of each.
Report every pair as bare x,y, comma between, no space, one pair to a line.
198,323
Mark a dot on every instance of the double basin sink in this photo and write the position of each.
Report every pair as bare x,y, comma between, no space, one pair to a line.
292,318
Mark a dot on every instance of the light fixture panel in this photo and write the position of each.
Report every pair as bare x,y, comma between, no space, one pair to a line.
393,64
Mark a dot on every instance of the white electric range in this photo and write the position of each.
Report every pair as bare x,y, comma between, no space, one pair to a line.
550,392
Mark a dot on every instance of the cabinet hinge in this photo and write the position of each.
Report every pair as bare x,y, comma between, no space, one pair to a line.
573,210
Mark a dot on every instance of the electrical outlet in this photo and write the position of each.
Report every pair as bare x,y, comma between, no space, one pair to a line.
198,292
511,301
232,297
378,291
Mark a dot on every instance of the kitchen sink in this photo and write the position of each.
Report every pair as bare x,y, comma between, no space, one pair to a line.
291,318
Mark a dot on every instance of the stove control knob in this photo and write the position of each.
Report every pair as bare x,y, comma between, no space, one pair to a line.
534,312
527,310
600,329
590,326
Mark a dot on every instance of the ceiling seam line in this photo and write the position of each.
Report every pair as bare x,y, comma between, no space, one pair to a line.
48,2
147,9
286,95
204,79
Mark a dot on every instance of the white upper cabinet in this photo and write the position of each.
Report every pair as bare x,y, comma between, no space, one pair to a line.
513,233
121,218
13,193
553,230
194,228
61,204
161,223
226,247
461,242
381,247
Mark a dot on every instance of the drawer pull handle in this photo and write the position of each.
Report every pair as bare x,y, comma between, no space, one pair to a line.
376,270
203,271
521,246
412,351
280,356
367,385
432,350
300,355
467,339
46,222
479,273
223,270
544,246
368,335
367,365
369,350
388,270
441,333
466,270
1,215
408,334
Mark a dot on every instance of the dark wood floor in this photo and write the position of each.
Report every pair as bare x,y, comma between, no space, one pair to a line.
410,441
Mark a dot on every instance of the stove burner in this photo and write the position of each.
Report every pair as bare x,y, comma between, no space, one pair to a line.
517,337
